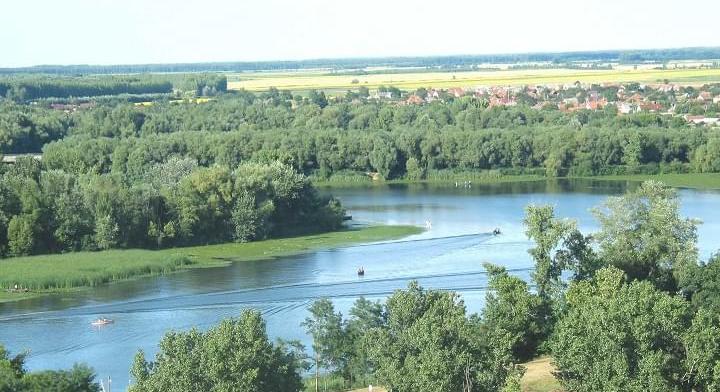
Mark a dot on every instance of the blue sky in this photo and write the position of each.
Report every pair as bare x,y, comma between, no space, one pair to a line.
161,31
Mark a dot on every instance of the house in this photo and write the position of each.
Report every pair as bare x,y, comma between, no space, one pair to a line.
457,92
650,106
414,100
700,119
502,101
626,108
704,96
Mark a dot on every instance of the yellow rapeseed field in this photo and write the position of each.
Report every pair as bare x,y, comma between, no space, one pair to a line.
307,80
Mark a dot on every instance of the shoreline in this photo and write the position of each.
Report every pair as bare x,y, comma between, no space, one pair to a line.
703,181
68,272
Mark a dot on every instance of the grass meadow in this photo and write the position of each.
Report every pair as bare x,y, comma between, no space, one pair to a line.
61,272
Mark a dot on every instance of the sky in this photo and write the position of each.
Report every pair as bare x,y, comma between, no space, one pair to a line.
36,32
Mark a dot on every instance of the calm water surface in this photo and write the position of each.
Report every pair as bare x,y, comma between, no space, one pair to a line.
449,255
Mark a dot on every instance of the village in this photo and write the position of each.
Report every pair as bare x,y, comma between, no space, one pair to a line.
698,105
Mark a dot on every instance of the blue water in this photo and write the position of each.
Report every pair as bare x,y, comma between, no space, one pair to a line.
449,255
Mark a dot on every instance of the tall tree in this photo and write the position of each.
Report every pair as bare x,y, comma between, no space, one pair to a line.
621,337
235,355
329,339
643,234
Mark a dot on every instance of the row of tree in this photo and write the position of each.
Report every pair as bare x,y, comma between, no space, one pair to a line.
22,88
175,203
320,137
407,153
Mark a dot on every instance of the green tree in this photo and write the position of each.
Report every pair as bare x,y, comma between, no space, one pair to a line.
106,232
329,339
546,232
430,345
78,379
365,315
702,347
414,170
620,337
643,234
512,313
232,356
21,234
702,284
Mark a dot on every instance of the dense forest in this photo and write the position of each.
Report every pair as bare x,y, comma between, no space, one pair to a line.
323,137
173,203
22,88
636,56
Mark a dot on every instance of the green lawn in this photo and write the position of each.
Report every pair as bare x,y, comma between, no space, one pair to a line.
60,272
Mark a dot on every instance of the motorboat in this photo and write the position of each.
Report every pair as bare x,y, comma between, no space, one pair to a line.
102,321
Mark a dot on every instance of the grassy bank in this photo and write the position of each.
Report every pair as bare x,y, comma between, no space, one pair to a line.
61,272
688,180
474,177
681,180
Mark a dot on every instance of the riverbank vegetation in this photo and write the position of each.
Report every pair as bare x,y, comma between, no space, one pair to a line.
175,204
637,313
59,272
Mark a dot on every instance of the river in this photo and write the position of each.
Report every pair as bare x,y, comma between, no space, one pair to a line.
449,255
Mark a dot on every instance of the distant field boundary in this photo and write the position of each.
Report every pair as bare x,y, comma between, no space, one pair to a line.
302,81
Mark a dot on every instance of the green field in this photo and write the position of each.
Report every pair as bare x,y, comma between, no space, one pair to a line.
303,81
61,272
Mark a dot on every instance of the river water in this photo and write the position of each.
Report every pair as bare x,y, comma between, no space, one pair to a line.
449,255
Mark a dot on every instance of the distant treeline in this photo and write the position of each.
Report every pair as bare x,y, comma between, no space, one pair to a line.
31,87
643,55
395,141
321,138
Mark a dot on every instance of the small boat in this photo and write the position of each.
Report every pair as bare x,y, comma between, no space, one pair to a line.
361,271
102,321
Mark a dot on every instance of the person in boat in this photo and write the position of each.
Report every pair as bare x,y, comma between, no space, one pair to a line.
496,231
361,271
102,321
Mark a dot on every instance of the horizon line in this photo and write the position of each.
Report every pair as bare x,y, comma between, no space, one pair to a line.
328,59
